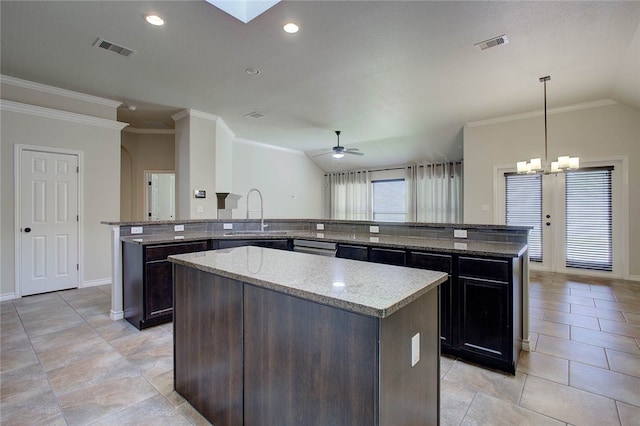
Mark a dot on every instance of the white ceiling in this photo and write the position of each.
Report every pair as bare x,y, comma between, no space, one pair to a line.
399,78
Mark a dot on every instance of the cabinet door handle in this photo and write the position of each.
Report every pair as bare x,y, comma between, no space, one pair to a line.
548,223
27,230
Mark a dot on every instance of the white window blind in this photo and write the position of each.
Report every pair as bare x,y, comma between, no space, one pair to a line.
524,208
389,200
588,219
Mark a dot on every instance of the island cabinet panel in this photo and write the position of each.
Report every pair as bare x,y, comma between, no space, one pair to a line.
284,244
148,283
441,263
208,355
307,363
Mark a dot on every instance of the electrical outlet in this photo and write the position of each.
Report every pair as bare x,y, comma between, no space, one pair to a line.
459,233
320,226
374,229
415,349
136,229
319,234
227,226
460,246
178,228
199,209
374,239
178,237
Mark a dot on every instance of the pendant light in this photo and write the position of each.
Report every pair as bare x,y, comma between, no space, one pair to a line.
537,165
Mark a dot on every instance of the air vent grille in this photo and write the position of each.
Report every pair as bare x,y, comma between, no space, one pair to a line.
107,45
492,42
254,114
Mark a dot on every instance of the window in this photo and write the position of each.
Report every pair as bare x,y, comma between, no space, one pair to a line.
389,200
588,219
524,208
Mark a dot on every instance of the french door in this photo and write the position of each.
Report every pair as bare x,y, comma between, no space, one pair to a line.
576,219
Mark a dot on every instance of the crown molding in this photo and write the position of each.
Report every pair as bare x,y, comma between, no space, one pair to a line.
194,113
149,131
265,145
13,81
61,115
226,128
533,114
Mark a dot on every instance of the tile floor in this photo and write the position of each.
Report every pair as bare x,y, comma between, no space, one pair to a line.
63,361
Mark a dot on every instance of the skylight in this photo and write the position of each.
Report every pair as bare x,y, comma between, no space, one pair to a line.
244,10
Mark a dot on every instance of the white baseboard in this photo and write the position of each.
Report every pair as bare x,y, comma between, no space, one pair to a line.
115,316
7,296
634,277
526,345
93,283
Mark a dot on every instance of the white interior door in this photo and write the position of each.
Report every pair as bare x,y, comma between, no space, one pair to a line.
48,221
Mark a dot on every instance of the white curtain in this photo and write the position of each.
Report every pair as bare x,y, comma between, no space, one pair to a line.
349,194
438,192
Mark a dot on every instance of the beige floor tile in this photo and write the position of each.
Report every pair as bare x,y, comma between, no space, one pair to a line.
91,371
64,355
96,402
564,298
36,405
632,318
544,366
605,340
500,385
593,294
486,410
17,358
21,380
605,382
626,297
597,312
192,415
164,384
556,306
568,404
114,330
52,325
540,291
152,411
455,400
549,328
623,362
623,329
572,319
618,306
571,350
629,414
68,336
535,312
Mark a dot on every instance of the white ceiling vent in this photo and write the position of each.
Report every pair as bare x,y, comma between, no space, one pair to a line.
107,45
254,114
492,42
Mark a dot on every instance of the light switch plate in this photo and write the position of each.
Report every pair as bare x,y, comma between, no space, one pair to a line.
320,226
459,233
136,230
227,226
374,229
178,228
415,349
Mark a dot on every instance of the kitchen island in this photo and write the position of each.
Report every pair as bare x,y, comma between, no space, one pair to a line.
265,336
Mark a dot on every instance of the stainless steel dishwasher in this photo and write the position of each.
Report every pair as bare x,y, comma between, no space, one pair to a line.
322,248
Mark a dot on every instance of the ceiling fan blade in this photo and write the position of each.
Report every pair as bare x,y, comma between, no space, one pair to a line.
353,152
322,153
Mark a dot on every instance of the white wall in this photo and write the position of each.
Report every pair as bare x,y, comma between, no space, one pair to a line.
603,131
99,141
291,184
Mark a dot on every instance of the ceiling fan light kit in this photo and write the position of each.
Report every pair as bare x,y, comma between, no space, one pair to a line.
537,165
339,151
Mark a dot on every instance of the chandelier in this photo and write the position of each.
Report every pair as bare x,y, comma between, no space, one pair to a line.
537,165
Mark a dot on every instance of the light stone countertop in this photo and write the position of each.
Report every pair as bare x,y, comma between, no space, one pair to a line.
367,288
444,245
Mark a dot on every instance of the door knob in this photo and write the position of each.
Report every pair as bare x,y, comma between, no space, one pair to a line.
27,229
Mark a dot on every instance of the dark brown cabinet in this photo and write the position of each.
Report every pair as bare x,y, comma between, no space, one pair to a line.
441,263
148,281
348,251
388,256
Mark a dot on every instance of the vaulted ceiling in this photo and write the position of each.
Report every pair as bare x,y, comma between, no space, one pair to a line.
398,78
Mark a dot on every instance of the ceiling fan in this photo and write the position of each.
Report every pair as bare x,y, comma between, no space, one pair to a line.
339,151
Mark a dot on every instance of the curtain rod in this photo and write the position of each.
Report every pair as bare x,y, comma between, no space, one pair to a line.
395,168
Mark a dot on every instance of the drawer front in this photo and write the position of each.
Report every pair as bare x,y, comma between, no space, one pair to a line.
490,269
161,252
431,261
346,251
388,256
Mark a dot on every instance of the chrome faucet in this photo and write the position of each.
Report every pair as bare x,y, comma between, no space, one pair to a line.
262,225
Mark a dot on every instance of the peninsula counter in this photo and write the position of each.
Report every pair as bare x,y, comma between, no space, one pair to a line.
265,336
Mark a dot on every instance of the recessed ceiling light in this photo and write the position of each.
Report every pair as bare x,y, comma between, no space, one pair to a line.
252,71
154,19
291,28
